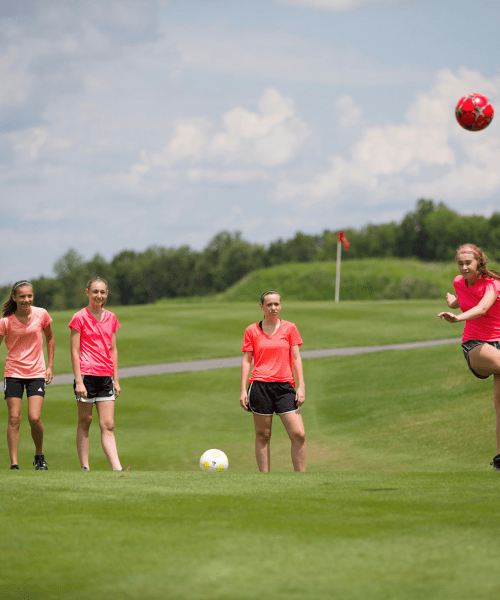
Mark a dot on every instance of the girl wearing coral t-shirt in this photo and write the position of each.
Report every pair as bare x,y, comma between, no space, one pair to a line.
23,326
273,345
478,296
95,366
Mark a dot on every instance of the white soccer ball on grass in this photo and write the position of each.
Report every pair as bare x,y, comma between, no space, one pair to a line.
214,460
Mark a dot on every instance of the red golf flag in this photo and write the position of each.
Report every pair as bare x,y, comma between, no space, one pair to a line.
344,240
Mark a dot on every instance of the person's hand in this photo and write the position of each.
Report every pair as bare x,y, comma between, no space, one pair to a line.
244,400
450,300
117,387
48,376
450,317
300,396
80,390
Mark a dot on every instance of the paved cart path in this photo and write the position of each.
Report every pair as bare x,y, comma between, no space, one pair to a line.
235,361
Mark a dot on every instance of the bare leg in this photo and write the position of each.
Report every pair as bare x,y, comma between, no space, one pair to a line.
485,360
295,428
496,394
262,441
35,404
106,412
82,432
14,408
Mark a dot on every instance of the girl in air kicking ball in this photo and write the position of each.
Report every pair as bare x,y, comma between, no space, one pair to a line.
477,291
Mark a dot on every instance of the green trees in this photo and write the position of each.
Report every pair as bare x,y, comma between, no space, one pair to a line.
431,232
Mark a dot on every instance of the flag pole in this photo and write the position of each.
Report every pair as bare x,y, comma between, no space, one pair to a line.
337,275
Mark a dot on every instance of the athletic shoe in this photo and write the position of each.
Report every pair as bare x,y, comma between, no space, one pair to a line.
14,467
39,462
496,463
84,469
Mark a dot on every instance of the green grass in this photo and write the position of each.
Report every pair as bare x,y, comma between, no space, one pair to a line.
171,331
361,279
399,500
193,536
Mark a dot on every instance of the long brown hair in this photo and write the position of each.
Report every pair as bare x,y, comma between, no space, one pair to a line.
10,307
481,258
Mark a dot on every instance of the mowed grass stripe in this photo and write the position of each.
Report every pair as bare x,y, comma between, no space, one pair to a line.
407,410
171,331
204,536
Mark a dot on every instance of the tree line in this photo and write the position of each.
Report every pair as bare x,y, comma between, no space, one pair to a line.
431,232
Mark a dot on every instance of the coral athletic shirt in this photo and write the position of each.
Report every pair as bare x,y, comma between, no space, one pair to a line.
24,343
487,327
272,354
95,341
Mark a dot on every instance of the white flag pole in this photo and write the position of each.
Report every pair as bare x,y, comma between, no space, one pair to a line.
337,275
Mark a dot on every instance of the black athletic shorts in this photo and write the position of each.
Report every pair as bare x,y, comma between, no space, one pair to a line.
268,397
98,388
467,347
14,387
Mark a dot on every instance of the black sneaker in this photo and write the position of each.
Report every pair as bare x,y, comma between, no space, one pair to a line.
496,463
14,467
39,462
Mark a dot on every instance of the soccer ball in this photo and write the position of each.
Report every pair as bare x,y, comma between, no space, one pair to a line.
474,112
214,460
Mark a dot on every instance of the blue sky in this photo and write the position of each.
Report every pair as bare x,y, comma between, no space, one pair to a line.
128,123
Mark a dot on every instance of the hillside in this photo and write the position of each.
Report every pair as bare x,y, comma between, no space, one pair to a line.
361,279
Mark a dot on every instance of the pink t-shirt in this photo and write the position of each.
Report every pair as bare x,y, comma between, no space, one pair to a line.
24,343
487,327
95,341
272,355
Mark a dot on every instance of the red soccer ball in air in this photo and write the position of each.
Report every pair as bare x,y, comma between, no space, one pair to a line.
474,112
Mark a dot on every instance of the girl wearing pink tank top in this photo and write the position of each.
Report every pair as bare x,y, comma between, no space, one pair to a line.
478,296
94,357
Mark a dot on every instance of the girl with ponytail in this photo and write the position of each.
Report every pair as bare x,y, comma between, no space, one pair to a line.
477,291
23,326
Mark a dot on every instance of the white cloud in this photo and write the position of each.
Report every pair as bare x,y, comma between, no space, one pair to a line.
429,155
349,115
16,84
341,5
280,56
244,146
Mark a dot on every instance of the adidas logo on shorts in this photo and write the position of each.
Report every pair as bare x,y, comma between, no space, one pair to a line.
40,390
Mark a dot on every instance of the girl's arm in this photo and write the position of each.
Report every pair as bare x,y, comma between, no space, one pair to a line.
479,310
452,301
51,344
114,355
246,363
80,389
297,365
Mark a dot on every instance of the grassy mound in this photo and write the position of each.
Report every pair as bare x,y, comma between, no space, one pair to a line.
362,279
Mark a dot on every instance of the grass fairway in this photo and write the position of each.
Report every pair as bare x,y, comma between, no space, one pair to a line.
170,331
399,501
193,536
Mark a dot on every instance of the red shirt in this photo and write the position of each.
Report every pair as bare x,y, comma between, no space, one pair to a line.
95,341
487,327
25,344
272,354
